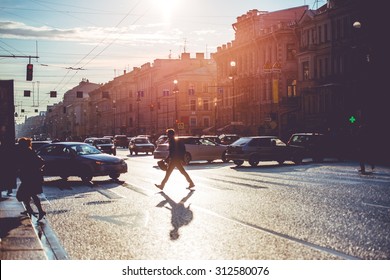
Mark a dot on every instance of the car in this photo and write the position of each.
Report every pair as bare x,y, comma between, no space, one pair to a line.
90,140
65,159
106,145
121,141
36,144
197,149
213,138
161,139
226,139
317,146
262,148
140,145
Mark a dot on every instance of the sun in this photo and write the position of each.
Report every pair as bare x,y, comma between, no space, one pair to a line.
165,8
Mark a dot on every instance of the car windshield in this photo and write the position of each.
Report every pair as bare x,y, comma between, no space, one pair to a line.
141,141
84,149
241,142
103,141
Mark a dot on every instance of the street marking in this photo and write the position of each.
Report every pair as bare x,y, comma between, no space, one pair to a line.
256,227
110,194
282,235
376,205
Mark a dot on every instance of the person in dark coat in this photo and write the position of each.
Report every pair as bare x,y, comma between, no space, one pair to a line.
30,166
175,159
365,148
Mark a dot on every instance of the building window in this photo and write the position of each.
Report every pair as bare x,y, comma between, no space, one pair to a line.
192,121
319,34
326,33
305,69
290,51
79,94
165,92
206,105
206,122
192,105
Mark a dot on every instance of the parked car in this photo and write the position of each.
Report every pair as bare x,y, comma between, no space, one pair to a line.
66,159
262,148
90,140
213,138
140,145
317,146
227,139
121,141
197,148
105,145
36,144
161,139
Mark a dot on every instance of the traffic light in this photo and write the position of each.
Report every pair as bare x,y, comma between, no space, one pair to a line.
29,72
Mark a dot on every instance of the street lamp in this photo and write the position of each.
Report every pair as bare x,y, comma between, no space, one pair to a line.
176,93
114,114
215,115
97,120
233,72
138,101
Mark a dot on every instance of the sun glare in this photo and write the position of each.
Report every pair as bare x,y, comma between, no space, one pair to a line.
166,8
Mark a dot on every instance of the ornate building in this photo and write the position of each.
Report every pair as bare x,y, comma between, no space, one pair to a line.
258,90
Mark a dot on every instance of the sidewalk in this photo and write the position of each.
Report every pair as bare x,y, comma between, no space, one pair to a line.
18,238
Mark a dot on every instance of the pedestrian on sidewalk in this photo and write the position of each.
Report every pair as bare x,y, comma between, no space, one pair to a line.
175,159
30,166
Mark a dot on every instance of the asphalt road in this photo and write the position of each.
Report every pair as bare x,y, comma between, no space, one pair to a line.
311,211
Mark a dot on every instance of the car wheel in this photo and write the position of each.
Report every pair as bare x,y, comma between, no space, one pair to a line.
114,176
224,159
318,159
86,178
297,160
253,161
187,158
238,162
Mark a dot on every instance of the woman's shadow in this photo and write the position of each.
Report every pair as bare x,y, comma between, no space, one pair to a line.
181,215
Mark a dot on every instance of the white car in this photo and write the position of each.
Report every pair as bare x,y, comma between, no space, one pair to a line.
197,149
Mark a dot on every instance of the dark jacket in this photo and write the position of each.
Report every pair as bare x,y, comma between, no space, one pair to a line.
30,172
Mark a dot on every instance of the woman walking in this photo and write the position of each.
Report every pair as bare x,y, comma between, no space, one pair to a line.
29,165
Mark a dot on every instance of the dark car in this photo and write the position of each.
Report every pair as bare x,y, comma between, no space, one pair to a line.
121,141
262,148
317,146
105,145
140,145
66,159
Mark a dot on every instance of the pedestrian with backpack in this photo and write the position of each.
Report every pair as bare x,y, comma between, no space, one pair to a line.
175,159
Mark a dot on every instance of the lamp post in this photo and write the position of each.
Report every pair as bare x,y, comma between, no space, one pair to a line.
114,114
97,120
138,101
176,92
215,116
233,72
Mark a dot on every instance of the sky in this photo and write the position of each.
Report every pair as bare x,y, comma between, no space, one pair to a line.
97,40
